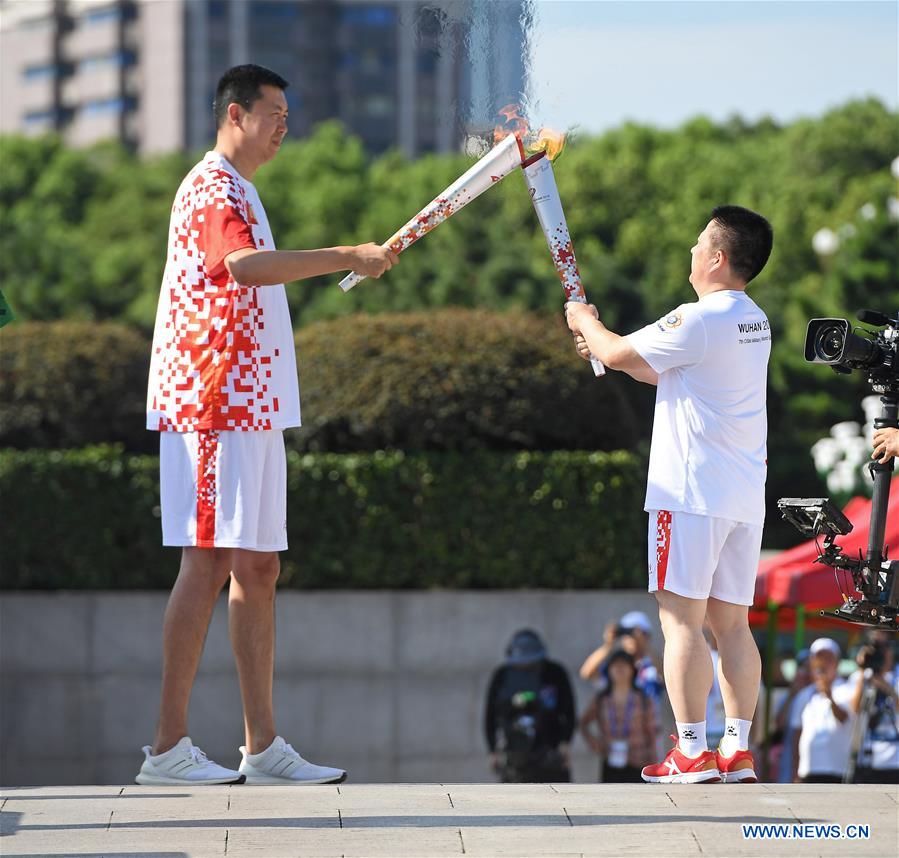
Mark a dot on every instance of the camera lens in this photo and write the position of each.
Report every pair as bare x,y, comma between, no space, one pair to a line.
829,343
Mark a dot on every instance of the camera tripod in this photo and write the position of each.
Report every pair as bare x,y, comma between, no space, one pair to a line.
875,576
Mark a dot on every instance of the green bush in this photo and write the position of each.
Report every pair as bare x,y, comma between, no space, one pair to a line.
81,519
457,380
67,384
445,380
89,519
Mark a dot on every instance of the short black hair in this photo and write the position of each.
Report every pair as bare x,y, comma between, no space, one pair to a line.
745,236
240,85
618,654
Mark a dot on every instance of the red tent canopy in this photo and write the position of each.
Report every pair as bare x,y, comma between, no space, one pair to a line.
787,620
793,578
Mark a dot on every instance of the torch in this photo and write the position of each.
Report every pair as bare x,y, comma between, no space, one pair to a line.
538,176
495,165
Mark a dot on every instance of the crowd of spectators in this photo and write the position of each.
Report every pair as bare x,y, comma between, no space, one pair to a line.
833,720
838,728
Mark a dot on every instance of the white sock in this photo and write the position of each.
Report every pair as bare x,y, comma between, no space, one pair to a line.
691,738
736,736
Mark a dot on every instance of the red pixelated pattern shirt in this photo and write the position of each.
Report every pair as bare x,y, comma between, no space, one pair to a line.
223,354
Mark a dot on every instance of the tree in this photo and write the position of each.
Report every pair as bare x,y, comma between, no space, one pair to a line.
83,235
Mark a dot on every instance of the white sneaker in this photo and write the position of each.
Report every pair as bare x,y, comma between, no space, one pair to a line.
279,763
181,765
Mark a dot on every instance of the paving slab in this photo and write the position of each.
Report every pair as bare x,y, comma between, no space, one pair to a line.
426,820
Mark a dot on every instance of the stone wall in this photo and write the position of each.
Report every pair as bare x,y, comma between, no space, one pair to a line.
388,684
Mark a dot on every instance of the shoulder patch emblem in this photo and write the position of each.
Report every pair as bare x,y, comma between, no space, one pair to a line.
675,320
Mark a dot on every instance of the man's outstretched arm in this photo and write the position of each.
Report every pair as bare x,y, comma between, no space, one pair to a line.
593,337
251,267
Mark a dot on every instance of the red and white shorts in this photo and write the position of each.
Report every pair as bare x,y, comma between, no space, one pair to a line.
698,556
224,489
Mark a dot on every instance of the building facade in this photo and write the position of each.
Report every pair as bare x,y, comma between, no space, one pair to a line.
397,73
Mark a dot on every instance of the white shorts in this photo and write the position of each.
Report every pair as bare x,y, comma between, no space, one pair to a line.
224,489
698,556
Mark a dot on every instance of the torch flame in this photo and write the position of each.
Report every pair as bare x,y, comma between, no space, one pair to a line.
513,122
551,141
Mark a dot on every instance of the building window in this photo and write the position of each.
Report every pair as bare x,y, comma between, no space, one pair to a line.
369,16
40,117
218,10
101,16
105,106
379,106
272,10
427,62
116,60
44,70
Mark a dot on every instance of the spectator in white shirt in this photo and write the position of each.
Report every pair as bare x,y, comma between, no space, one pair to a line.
822,719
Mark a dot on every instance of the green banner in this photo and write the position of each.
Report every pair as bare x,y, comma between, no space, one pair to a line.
6,313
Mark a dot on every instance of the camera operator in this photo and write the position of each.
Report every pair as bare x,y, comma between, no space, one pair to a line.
529,717
633,633
886,444
822,719
879,753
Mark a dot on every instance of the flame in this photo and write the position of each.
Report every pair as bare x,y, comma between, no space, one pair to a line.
551,141
513,122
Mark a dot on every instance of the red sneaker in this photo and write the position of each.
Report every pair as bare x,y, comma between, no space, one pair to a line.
739,768
680,769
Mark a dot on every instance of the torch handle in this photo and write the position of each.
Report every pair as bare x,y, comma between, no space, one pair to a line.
539,178
351,280
599,368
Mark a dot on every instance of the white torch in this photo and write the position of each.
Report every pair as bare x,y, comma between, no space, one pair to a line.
495,165
538,175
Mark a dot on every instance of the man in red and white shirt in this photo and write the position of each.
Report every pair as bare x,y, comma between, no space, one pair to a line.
706,487
223,387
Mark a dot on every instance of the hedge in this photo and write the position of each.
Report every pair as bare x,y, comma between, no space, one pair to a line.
444,380
458,380
67,384
89,518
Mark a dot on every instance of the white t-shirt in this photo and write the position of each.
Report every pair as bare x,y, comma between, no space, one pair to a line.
709,435
223,353
824,742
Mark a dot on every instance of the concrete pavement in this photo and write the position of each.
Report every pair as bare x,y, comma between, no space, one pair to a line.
442,819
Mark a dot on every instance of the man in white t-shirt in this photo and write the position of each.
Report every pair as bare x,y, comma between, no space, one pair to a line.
222,388
706,487
822,719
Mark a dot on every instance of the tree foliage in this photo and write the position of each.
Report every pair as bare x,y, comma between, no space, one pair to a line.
84,231
83,234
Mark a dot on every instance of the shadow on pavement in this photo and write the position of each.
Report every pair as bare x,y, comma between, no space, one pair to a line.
17,797
449,821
